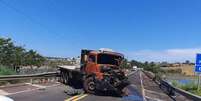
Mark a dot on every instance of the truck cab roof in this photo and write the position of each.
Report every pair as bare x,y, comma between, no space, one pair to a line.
106,52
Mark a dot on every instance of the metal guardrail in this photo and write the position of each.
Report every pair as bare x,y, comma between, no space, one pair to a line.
187,94
170,89
31,76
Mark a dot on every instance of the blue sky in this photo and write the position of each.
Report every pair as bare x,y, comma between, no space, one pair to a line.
145,30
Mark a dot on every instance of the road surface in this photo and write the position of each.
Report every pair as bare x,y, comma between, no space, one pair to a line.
141,89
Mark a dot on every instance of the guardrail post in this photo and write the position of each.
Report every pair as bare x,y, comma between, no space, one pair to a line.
31,81
198,82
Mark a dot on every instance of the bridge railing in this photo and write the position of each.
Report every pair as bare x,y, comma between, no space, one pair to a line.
170,89
30,76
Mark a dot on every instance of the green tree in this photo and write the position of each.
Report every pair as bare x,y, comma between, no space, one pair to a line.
155,68
6,52
136,63
125,64
16,56
187,62
32,58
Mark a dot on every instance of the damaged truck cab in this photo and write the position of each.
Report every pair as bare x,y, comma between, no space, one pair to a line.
102,71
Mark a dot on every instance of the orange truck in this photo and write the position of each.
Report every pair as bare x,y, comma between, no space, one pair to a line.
98,71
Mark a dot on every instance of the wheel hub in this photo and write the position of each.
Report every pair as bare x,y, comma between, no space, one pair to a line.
91,85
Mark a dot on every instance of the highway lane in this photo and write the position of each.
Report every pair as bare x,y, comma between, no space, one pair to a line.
153,91
134,90
141,88
54,93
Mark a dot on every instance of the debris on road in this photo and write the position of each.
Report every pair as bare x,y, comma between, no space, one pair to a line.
72,91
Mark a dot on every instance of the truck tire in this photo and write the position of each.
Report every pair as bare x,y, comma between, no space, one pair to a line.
89,85
66,78
62,77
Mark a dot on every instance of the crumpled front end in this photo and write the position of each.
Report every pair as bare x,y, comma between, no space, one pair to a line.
113,80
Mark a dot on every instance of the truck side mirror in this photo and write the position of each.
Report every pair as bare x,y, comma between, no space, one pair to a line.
85,58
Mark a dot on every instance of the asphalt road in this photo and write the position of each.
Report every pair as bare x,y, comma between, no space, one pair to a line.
141,88
55,93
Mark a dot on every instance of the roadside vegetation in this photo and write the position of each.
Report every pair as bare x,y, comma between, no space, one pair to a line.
174,71
149,66
13,57
6,71
190,87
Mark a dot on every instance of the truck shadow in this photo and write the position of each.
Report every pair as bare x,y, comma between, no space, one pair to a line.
108,93
78,89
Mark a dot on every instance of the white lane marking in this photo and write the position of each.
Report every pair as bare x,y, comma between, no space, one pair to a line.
2,92
142,86
153,99
32,90
157,93
36,85
132,73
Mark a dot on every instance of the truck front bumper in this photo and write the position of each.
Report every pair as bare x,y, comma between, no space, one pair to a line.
103,85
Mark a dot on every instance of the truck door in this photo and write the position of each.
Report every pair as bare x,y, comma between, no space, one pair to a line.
91,64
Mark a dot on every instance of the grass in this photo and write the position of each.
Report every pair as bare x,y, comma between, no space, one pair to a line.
6,71
187,70
190,87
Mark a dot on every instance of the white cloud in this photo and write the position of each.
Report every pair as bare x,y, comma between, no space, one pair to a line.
170,55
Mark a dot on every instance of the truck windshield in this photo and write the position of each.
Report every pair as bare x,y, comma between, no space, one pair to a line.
108,59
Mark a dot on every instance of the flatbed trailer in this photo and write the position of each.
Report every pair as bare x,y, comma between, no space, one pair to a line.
70,75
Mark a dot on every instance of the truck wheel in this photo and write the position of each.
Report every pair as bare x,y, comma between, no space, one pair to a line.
89,85
62,77
66,78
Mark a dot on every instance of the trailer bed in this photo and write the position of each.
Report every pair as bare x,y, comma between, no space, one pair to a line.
70,75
